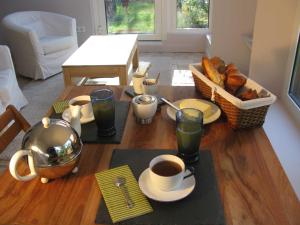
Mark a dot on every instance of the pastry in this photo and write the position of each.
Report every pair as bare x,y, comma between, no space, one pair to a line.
248,94
211,72
234,82
231,68
219,64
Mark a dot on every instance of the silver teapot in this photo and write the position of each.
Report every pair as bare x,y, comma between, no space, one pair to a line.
52,148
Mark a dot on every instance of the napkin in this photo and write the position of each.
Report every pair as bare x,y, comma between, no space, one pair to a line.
60,106
114,198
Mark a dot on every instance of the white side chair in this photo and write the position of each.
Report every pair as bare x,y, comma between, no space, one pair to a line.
40,42
10,92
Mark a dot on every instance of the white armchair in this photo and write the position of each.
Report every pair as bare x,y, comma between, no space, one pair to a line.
40,42
10,92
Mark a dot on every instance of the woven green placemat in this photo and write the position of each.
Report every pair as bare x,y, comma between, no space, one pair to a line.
60,106
114,198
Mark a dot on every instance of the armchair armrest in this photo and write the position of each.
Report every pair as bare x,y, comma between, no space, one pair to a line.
5,56
22,40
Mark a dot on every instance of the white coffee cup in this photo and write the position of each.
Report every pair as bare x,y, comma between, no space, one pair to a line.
168,183
137,80
86,109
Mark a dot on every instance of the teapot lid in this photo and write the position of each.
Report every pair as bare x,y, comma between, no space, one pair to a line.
52,142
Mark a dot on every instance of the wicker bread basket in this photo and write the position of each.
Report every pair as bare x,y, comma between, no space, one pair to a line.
240,114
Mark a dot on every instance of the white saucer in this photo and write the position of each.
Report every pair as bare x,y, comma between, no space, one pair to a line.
154,193
215,114
67,117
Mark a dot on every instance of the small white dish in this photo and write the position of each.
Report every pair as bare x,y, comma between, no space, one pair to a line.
67,117
214,115
186,188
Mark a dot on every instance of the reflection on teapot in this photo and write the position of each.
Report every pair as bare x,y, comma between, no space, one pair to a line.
52,148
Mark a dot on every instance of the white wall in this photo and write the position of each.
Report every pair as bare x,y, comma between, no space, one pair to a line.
273,51
231,19
79,9
272,40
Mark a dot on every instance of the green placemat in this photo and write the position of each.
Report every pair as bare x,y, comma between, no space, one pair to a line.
114,199
60,106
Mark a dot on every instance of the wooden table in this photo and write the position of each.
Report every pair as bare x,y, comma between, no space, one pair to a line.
103,56
252,183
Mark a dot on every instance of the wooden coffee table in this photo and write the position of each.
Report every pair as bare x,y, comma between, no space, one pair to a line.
252,184
103,56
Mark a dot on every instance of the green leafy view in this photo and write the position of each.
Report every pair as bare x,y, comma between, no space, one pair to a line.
133,16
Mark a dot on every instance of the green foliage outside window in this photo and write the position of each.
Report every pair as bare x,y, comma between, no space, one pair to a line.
192,13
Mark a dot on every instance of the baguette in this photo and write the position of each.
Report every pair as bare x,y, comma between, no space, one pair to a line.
212,73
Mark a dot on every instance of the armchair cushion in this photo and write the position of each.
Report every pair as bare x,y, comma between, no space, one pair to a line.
51,44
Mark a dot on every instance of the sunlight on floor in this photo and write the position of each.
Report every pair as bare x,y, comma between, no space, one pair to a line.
182,78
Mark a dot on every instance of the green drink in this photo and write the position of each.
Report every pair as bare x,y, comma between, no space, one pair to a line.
104,111
189,126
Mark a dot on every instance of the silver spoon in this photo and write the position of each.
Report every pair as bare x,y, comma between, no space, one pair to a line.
120,183
170,104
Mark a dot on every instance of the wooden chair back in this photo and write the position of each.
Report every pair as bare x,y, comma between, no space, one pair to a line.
11,123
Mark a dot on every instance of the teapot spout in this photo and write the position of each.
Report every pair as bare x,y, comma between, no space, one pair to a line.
75,118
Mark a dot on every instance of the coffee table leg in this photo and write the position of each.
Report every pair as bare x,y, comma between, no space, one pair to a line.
67,77
123,74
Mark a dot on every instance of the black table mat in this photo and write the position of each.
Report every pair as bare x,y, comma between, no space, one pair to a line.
89,130
202,207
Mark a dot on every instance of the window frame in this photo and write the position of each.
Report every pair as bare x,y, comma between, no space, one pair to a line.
295,99
291,106
165,20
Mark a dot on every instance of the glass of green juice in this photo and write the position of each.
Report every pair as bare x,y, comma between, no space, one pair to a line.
104,111
189,128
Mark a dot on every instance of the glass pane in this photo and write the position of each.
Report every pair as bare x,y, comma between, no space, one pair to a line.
130,16
192,13
294,90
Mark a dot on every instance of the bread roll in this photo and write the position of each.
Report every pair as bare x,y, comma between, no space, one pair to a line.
231,68
234,82
211,72
248,94
219,64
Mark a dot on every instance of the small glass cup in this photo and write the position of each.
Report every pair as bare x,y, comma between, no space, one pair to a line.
189,127
104,111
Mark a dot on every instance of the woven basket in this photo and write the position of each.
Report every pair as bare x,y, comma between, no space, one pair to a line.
240,114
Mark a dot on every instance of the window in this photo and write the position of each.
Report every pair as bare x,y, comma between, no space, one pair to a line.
130,16
294,89
141,17
192,14
151,19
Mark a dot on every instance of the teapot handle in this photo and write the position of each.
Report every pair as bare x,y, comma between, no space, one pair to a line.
13,165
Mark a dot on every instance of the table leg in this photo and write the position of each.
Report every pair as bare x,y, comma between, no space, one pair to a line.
123,74
67,77
135,60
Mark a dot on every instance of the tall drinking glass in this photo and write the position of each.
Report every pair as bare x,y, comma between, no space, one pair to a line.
189,126
104,111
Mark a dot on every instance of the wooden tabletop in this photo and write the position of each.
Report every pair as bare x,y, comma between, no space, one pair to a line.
252,184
